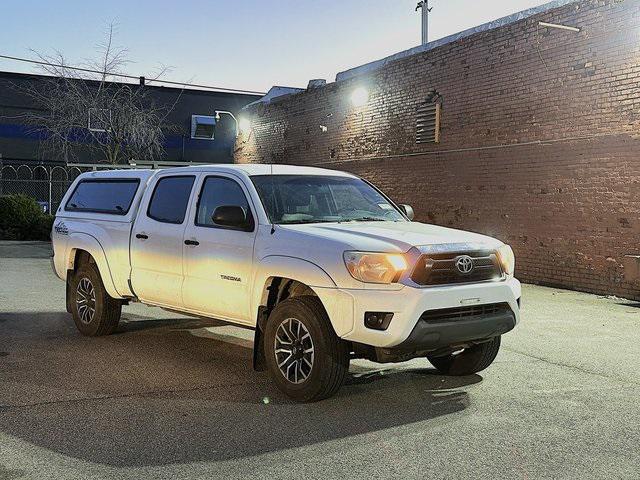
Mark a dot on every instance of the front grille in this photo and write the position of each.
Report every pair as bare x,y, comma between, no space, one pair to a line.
440,268
446,315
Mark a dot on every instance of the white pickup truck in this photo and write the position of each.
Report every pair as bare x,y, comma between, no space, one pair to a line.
320,263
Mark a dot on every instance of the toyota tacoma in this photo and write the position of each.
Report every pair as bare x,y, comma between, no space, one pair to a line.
321,264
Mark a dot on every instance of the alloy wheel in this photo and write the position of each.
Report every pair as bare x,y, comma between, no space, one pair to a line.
294,350
86,300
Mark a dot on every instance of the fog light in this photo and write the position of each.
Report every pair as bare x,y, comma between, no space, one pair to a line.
377,320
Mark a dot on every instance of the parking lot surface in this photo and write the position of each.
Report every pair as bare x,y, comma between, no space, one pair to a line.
175,397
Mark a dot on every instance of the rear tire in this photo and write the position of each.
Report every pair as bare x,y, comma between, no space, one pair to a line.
304,356
94,312
469,361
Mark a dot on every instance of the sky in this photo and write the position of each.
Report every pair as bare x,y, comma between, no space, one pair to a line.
243,44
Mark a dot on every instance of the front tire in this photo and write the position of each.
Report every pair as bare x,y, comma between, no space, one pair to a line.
94,312
304,356
469,361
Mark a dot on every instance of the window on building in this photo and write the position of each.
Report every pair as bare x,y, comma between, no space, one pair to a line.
112,196
170,199
217,192
202,127
428,122
99,119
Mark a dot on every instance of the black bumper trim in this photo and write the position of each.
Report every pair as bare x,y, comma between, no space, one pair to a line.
433,336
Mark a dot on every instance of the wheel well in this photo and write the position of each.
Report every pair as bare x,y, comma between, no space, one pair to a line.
79,258
278,289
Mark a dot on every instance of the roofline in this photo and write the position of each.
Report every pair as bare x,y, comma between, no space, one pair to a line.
133,83
275,93
501,22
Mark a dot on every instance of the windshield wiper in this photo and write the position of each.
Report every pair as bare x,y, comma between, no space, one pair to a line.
369,219
342,220
299,222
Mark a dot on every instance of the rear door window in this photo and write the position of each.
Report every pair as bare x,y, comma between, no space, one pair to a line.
111,196
170,199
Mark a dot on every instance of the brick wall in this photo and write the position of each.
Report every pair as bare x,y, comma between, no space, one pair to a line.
540,142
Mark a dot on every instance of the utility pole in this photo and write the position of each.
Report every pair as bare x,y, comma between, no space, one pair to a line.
424,5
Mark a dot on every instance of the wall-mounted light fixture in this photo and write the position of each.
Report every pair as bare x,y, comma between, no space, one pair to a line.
224,112
360,97
244,124
561,27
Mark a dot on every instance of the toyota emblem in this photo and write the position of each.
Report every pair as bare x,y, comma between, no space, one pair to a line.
464,264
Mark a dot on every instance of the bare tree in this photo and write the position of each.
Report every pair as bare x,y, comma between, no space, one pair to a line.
84,109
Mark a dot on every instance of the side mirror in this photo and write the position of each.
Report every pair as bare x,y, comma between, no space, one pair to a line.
230,216
407,210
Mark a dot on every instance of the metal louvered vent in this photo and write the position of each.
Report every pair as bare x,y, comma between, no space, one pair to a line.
203,127
428,123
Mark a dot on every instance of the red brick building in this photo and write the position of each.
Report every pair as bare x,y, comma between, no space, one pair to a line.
539,137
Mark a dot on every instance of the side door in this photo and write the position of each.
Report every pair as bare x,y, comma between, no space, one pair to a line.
219,259
156,240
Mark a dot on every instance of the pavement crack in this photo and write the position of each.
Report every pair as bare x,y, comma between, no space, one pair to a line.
4,408
574,367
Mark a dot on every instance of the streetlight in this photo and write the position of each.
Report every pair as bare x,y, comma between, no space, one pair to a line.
426,9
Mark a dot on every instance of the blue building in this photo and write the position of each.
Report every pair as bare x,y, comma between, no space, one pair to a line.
194,134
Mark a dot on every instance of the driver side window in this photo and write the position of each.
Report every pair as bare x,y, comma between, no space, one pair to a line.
217,192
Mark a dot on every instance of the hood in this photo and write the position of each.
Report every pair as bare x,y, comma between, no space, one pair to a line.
390,236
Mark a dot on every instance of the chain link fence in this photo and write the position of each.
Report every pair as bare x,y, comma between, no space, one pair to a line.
48,183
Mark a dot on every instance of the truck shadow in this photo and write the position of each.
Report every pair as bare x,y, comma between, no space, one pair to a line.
175,391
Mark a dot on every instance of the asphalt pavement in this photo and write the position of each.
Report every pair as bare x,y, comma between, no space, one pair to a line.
175,397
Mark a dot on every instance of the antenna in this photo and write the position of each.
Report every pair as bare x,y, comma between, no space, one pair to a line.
424,5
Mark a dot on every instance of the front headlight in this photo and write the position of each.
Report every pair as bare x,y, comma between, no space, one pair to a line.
507,259
375,267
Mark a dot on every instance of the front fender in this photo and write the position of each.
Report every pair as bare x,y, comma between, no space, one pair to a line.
83,241
339,305
293,268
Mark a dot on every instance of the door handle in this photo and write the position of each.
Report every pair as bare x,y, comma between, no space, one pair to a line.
142,236
194,243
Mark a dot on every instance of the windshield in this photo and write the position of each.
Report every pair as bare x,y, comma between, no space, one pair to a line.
291,199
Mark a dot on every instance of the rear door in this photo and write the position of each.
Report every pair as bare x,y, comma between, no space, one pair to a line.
156,240
219,260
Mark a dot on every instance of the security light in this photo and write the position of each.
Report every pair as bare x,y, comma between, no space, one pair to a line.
220,112
244,124
360,97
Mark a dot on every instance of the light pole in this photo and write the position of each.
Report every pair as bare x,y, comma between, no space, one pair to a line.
424,5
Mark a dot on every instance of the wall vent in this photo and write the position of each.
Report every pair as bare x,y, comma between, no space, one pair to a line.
203,127
428,123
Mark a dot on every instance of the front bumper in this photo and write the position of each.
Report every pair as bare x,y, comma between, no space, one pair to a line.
433,336
346,309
